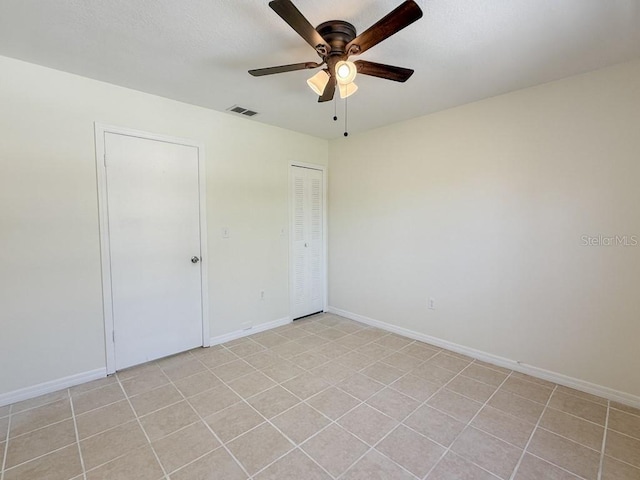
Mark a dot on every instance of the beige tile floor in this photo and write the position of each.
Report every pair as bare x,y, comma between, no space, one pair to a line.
322,398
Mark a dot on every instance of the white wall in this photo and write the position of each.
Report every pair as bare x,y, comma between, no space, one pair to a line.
483,207
50,292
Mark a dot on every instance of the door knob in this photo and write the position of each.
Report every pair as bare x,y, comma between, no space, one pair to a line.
195,259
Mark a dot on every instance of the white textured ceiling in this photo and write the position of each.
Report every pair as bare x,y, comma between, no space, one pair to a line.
199,51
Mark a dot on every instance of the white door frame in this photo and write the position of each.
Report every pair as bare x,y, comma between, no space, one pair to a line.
325,234
105,249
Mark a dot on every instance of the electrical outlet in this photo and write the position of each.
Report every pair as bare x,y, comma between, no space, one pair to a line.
431,304
261,294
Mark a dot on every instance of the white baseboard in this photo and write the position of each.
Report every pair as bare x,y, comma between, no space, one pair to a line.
227,337
51,386
559,378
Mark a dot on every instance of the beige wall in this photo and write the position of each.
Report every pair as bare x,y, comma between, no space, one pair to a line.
483,207
50,282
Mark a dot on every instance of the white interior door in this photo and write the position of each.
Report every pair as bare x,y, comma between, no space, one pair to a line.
307,243
153,206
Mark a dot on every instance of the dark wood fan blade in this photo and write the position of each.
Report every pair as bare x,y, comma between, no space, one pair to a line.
329,90
290,14
389,72
401,17
258,72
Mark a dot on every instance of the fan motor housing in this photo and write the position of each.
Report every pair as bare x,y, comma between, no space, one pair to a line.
337,34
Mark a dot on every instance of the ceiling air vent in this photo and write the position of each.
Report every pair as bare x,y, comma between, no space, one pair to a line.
242,111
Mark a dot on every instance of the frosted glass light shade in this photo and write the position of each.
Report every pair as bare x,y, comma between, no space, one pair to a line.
347,90
318,82
345,72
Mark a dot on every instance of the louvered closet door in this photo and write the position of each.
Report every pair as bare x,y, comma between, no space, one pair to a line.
308,249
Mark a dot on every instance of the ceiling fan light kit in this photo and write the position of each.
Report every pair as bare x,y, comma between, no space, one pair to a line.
318,82
346,72
346,90
345,75
335,41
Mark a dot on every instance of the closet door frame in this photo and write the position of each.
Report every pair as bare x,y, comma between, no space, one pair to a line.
325,231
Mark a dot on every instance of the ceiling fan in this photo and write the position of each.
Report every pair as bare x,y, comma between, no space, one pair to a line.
335,41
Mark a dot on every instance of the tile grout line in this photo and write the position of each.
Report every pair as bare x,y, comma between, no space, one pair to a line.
468,424
400,422
311,350
443,387
153,450
115,426
201,418
578,417
280,384
2,467
301,401
572,440
507,414
266,420
409,372
626,462
635,415
498,438
55,450
390,386
461,373
626,435
391,352
579,477
98,408
6,445
75,429
526,447
604,441
540,427
363,402
568,391
335,422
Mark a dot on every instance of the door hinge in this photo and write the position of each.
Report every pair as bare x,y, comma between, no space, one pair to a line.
104,159
113,336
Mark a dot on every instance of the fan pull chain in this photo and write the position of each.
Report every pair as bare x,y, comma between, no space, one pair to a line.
346,133
335,108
